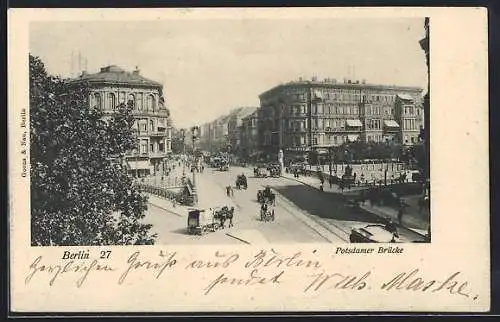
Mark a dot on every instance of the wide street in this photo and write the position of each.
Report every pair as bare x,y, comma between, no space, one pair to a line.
303,214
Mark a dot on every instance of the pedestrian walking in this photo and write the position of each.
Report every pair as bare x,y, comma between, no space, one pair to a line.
228,191
400,215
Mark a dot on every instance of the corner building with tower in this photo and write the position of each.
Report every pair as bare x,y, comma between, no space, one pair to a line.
310,115
113,86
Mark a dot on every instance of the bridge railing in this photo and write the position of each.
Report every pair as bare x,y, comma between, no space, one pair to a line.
158,191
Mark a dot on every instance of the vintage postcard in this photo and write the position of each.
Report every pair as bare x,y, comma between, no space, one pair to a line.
248,160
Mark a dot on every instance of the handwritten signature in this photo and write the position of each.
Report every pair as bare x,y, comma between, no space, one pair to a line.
83,269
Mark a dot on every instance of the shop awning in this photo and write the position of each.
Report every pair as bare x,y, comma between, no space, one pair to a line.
405,97
391,123
354,123
352,137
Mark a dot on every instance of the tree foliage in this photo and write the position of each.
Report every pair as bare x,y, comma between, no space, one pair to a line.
80,191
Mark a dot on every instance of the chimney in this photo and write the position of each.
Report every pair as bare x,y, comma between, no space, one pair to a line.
136,71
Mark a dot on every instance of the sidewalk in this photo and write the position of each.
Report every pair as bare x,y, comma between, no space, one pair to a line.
412,218
168,206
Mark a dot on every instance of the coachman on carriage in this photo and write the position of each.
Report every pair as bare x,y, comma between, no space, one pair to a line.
267,200
241,182
266,212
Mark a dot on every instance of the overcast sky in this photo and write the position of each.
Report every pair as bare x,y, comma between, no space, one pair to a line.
211,66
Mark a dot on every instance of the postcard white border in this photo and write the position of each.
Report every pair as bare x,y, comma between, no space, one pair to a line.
459,174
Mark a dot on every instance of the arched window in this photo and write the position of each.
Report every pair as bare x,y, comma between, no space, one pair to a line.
151,103
139,101
131,100
97,100
111,101
121,97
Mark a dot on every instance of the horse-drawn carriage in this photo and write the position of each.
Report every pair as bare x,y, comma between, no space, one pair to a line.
274,170
201,221
241,182
266,197
267,212
260,172
267,200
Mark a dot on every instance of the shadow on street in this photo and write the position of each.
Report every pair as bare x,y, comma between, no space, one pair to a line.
324,204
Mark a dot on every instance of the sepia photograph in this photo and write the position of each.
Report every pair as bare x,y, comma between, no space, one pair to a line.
229,131
236,160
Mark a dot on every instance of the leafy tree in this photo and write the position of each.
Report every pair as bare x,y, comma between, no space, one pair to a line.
80,191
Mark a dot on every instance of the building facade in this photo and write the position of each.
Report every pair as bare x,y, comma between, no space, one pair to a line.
234,127
249,137
113,86
312,115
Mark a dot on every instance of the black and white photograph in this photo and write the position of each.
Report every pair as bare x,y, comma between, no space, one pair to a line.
231,160
226,131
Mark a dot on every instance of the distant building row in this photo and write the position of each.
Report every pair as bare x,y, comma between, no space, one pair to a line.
311,115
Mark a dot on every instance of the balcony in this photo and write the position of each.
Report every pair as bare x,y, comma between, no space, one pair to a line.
158,133
162,112
150,155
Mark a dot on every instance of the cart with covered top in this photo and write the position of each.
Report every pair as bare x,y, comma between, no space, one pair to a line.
201,221
241,182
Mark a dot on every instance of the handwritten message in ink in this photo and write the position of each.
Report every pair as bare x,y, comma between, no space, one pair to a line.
225,271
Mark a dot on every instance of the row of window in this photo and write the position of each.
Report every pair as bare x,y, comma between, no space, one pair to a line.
154,147
139,101
410,110
142,124
322,139
346,95
374,124
350,110
410,124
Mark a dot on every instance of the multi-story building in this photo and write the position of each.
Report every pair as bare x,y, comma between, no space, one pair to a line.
308,115
113,86
214,135
249,146
234,127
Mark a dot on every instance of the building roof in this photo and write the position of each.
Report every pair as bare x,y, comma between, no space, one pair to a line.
331,83
243,112
116,75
